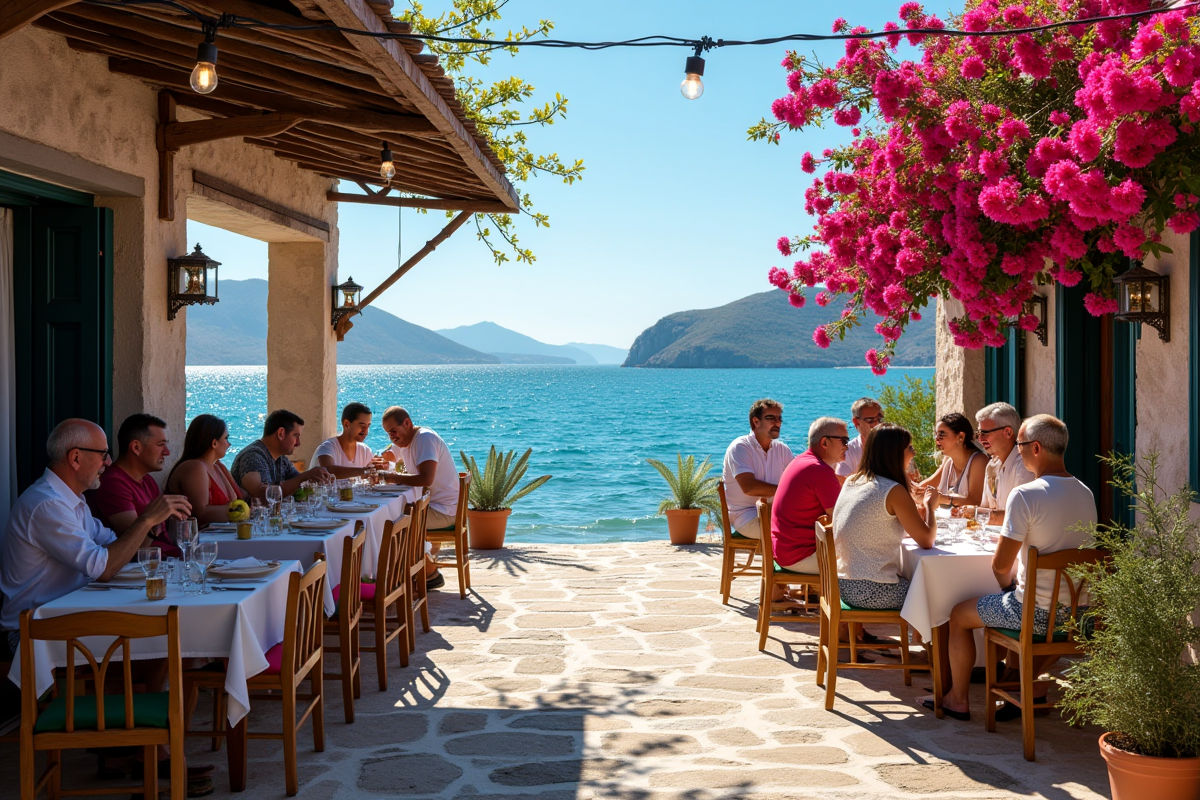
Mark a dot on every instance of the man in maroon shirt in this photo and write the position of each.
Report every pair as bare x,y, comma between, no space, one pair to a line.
807,490
128,486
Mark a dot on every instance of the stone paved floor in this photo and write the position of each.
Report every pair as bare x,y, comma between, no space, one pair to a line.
613,671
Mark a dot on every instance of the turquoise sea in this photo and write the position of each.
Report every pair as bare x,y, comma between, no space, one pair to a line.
592,428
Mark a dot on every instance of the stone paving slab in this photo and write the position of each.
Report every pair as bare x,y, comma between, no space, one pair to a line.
612,671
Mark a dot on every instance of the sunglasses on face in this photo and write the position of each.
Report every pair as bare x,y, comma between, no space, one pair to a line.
845,440
875,420
989,431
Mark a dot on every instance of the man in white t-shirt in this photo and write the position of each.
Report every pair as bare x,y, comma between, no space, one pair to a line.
1052,513
428,465
997,434
753,465
865,414
345,455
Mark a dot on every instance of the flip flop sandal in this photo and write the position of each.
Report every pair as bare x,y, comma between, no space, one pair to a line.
1008,712
962,716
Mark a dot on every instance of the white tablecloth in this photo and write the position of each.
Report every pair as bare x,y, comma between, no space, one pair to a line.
390,508
942,577
240,626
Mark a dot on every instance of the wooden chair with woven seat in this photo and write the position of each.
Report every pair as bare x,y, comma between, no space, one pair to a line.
1031,647
733,542
456,537
834,612
104,720
389,592
415,565
775,575
346,623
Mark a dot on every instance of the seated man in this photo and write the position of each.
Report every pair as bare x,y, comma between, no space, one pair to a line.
997,434
345,455
52,544
753,466
265,461
128,486
865,414
427,464
1044,513
807,491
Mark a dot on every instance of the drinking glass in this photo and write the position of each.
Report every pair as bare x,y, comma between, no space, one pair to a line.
288,506
206,556
258,520
274,498
983,516
185,533
150,558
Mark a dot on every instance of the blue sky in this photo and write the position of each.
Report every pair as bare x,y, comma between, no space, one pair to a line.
677,210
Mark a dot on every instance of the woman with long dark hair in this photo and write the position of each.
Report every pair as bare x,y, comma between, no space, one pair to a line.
959,479
874,512
200,475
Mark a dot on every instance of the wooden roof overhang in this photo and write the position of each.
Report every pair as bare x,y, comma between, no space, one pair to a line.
323,99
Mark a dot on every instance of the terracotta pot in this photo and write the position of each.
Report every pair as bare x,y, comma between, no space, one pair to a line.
682,524
1134,777
485,529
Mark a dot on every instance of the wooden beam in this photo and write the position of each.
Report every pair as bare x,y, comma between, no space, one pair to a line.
242,199
16,14
176,135
166,161
440,204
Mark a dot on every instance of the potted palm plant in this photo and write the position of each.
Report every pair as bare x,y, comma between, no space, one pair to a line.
692,493
493,492
1140,680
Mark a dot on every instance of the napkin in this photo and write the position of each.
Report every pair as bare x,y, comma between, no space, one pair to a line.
244,563
131,569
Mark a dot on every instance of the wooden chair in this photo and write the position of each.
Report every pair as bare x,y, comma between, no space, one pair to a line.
346,622
733,542
456,537
834,612
774,575
299,657
73,722
1031,647
415,565
389,593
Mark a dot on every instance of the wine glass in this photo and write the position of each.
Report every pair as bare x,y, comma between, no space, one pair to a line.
288,511
274,498
150,558
206,556
983,516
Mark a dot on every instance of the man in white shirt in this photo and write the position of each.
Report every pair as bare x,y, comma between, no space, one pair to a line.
865,414
428,465
753,465
52,544
997,434
345,455
1046,513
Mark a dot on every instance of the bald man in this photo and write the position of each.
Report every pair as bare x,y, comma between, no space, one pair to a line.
53,545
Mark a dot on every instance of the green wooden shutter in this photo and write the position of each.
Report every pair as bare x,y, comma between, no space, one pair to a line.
1079,383
1002,372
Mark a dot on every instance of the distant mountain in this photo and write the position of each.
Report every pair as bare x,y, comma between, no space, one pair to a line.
764,330
234,332
603,353
489,337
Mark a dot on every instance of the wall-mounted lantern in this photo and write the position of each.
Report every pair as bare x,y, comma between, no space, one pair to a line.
1036,306
347,303
1145,296
191,280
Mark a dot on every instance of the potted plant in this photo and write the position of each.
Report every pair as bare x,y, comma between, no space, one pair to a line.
1140,680
493,492
692,493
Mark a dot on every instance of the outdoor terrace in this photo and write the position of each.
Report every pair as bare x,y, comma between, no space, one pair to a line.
613,671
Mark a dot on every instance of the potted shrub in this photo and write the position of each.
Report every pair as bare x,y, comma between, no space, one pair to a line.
1140,680
692,493
493,492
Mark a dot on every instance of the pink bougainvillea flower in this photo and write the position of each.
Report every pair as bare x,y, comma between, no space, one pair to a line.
1098,306
784,246
821,337
797,300
1184,222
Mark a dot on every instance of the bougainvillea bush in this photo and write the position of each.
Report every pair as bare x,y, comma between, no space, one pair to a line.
992,164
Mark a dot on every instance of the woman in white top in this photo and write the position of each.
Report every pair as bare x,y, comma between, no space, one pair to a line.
959,480
874,512
345,455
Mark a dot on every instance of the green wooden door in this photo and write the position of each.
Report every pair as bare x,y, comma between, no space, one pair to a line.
1002,372
1081,385
63,287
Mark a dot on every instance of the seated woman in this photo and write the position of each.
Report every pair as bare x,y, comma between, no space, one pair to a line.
200,474
873,513
959,480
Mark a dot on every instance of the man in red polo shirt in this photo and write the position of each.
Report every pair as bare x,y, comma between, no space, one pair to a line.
807,491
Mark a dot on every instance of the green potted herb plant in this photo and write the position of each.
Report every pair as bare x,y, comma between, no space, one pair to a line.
692,493
1140,680
493,492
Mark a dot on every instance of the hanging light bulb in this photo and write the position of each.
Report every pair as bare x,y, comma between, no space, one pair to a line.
692,87
387,168
204,74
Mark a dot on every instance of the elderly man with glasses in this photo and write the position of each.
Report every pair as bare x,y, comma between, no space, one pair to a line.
865,414
53,545
997,434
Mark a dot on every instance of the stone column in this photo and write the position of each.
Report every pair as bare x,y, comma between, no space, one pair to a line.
960,372
301,346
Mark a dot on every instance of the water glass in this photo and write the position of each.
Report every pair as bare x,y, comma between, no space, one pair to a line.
274,498
206,556
983,516
288,511
150,558
957,527
173,571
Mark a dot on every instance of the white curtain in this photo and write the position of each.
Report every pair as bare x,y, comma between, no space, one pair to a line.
8,373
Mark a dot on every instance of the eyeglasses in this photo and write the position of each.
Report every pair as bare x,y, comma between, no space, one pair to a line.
1022,444
845,440
990,431
875,420
106,455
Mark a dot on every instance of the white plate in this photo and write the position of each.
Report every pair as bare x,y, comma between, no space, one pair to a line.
353,508
391,489
320,524
246,572
222,527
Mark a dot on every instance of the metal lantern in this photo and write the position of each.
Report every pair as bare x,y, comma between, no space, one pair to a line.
191,280
1036,306
347,303
1145,296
